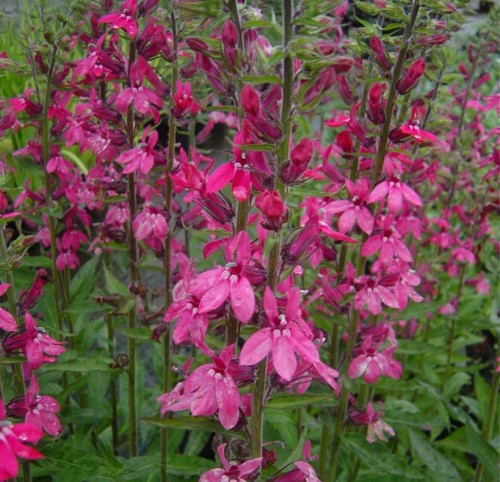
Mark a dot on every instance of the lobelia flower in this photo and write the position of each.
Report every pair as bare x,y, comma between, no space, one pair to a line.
378,51
303,471
410,79
272,208
13,438
209,389
7,321
232,471
354,211
388,241
30,296
396,191
283,336
38,411
183,99
300,157
150,225
215,286
141,157
376,103
34,342
377,428
372,292
124,19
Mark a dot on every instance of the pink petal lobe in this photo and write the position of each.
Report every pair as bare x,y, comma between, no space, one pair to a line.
242,299
284,360
215,296
256,347
220,177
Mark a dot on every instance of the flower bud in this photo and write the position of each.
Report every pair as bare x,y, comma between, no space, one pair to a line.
376,110
250,101
300,157
411,78
272,208
379,53
229,34
344,141
196,44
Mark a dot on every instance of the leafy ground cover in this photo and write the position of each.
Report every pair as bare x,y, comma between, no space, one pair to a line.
248,241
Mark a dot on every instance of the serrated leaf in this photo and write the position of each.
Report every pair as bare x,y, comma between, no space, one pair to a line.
438,464
484,452
378,456
288,402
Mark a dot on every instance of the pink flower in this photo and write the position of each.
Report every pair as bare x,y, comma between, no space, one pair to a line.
7,321
38,411
150,225
209,389
410,79
125,19
396,191
229,282
183,99
140,158
232,471
372,292
12,444
389,242
31,295
354,211
283,337
34,342
377,428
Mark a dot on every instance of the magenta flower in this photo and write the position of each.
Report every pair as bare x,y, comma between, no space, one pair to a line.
284,336
354,211
395,190
372,292
389,242
377,428
124,19
150,225
7,321
232,471
372,360
34,342
31,295
13,438
38,411
229,282
140,158
209,389
183,99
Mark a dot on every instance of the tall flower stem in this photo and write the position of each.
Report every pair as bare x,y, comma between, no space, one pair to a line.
243,206
274,255
113,398
383,145
167,266
134,276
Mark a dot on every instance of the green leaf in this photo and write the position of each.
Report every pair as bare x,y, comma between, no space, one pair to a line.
141,333
83,281
192,423
114,285
12,360
379,457
257,147
482,392
484,452
82,365
441,468
288,402
262,79
455,383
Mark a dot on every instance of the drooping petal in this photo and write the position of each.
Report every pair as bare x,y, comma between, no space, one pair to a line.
228,400
215,296
379,192
371,246
257,347
395,199
284,360
7,321
411,195
221,177
242,299
346,220
365,220
270,304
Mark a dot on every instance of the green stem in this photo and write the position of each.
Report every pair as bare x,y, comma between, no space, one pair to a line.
274,256
391,98
167,266
134,277
113,398
453,328
491,416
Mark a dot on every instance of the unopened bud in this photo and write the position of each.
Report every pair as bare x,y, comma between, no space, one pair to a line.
250,102
411,78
